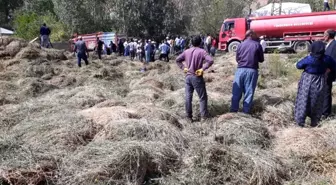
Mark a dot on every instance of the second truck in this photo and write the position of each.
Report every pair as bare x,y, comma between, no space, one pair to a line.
295,31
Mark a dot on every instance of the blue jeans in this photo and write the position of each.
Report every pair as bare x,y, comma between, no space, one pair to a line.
245,82
196,83
81,56
148,56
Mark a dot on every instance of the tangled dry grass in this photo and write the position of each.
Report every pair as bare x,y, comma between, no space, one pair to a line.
108,123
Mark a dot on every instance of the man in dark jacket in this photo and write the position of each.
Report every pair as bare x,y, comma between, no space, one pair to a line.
44,35
249,55
329,37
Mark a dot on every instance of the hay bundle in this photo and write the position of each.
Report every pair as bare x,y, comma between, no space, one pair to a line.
110,103
29,52
145,95
210,163
8,93
146,82
85,97
35,87
39,70
108,74
119,163
143,130
53,54
152,112
103,116
242,129
303,142
280,115
170,82
15,46
4,41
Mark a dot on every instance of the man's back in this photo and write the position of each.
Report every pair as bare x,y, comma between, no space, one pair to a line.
249,54
80,46
331,51
194,58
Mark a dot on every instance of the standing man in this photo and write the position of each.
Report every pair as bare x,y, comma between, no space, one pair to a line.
208,43
99,48
44,34
326,5
132,48
263,43
164,48
248,56
329,37
81,50
194,69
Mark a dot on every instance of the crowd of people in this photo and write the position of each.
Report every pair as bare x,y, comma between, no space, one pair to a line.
314,96
145,50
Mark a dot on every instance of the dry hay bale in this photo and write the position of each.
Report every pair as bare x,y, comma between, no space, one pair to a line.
54,129
305,142
4,41
29,52
8,93
243,130
8,76
145,95
235,129
108,74
110,103
53,54
11,115
143,130
162,67
15,46
33,87
210,163
170,82
109,58
152,112
11,62
85,98
145,82
280,115
39,69
266,98
103,116
119,163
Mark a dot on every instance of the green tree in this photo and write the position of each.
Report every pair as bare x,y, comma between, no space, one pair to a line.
27,26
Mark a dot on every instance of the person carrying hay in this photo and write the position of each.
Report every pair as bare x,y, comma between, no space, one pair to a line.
194,69
313,84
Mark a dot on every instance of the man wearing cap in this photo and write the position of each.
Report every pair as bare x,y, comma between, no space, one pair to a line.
194,69
249,55
82,52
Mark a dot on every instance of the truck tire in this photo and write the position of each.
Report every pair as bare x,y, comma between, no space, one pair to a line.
233,46
301,46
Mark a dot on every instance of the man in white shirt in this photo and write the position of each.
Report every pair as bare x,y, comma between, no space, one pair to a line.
263,43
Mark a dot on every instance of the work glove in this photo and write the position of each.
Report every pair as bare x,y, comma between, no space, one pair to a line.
186,70
199,72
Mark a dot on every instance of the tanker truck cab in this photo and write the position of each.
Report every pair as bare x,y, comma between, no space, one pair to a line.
232,33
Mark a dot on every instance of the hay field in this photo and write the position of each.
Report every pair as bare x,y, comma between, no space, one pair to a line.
108,123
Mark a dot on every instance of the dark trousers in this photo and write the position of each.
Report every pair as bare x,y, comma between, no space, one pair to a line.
198,84
327,105
132,54
326,6
81,56
164,56
99,52
245,82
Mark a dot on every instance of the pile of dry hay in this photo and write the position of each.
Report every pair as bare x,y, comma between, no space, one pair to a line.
108,123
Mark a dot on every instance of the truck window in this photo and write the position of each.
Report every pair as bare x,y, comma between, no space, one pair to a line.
229,26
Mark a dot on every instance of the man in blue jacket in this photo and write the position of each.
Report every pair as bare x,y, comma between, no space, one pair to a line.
44,33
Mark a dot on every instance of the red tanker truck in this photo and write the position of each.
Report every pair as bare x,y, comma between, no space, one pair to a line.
295,31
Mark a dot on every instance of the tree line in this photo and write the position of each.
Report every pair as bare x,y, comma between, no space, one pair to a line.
145,18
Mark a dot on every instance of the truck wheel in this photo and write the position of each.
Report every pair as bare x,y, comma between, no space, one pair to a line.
301,46
233,46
